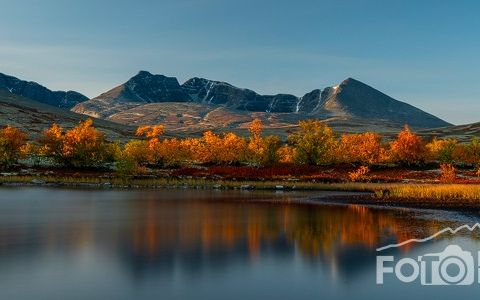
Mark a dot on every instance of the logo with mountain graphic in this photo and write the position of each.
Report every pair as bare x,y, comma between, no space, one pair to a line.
452,266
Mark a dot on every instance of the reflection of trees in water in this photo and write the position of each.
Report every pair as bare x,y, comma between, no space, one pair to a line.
203,234
158,236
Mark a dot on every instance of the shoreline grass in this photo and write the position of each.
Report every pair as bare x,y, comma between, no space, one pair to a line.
181,183
439,195
380,189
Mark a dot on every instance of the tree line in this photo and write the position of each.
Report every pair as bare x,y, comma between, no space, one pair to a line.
314,143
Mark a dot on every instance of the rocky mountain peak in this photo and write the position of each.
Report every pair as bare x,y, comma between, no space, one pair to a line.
150,88
37,92
350,99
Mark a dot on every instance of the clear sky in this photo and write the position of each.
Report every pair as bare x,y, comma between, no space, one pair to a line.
422,52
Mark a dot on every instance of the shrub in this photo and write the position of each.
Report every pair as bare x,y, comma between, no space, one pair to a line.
171,152
286,154
314,143
442,150
137,152
358,174
408,148
12,145
363,148
448,173
81,146
215,149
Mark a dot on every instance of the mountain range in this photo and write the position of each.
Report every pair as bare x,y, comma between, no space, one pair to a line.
207,104
37,92
33,117
201,104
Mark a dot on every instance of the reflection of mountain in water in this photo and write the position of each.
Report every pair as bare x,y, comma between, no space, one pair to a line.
161,234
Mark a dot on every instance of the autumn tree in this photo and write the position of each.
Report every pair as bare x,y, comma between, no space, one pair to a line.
52,142
262,150
255,143
137,151
133,157
12,144
171,152
286,154
194,149
408,148
210,147
271,153
81,146
314,143
442,150
152,133
232,149
363,148
472,151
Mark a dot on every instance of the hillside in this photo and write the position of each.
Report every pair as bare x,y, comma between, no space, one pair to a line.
350,106
37,92
463,133
33,117
354,98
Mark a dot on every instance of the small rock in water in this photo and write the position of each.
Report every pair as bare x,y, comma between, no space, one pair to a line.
38,181
279,187
8,174
246,187
217,186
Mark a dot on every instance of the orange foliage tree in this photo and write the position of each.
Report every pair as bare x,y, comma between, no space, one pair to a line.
286,154
262,150
152,133
12,144
408,148
81,146
255,145
216,149
363,148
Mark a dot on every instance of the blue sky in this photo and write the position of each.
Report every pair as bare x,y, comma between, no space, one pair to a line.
425,53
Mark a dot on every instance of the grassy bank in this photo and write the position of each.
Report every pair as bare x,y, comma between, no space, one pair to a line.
392,194
381,190
181,183
441,192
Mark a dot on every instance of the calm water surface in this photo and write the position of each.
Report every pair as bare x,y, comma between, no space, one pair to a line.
175,244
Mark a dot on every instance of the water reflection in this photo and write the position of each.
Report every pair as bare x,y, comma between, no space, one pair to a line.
161,233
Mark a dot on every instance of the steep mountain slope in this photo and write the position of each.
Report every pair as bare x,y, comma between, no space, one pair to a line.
221,93
33,117
351,101
37,92
354,98
141,89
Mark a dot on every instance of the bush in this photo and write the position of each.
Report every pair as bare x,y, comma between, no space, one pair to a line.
314,143
81,146
408,148
12,145
448,173
365,148
359,174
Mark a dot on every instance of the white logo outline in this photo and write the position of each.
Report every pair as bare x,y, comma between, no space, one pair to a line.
415,240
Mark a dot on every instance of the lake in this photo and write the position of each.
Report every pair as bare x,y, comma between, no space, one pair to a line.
195,244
